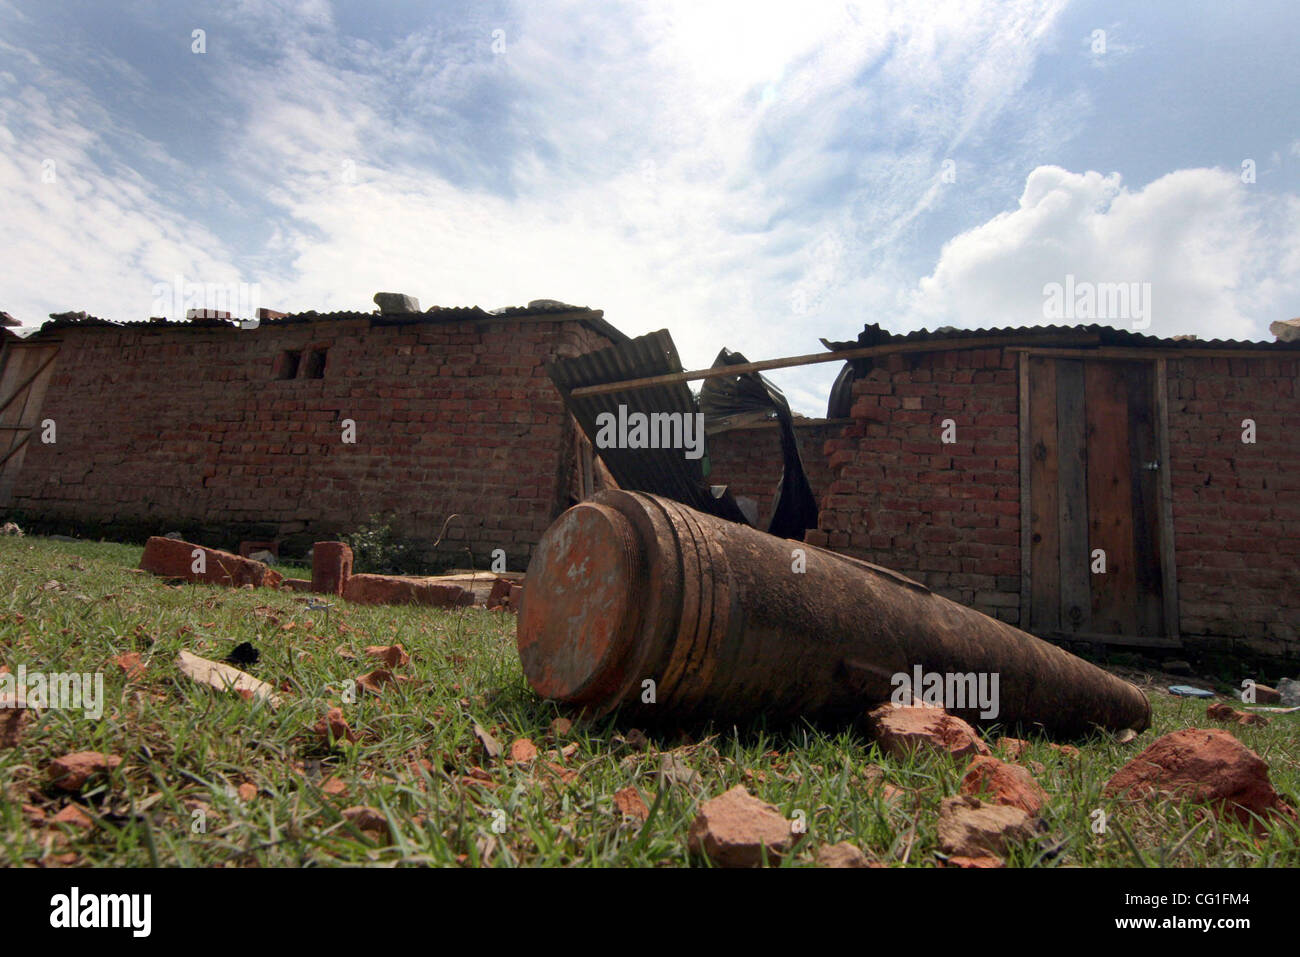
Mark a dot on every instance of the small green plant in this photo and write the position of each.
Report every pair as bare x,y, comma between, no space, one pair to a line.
376,550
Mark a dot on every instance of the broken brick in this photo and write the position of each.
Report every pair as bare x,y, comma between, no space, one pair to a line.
902,730
736,829
173,558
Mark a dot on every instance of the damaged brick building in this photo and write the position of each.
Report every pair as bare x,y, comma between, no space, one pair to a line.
991,465
304,427
1094,483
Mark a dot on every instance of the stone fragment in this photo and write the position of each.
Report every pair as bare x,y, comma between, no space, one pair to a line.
1266,695
14,718
735,829
370,821
1204,766
1219,711
334,727
394,656
71,771
173,558
399,590
396,303
843,854
970,828
331,567
630,803
902,730
1003,783
522,751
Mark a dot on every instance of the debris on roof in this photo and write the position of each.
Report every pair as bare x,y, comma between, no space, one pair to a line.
396,303
1288,330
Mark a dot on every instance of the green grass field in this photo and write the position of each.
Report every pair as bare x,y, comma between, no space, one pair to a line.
210,779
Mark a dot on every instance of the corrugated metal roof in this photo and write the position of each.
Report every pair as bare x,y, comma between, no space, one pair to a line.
593,318
873,335
664,472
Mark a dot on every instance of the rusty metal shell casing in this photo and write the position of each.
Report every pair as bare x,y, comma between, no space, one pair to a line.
628,587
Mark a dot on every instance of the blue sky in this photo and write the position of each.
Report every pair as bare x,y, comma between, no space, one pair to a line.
747,175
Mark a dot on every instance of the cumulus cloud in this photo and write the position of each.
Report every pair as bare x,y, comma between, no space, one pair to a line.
1218,260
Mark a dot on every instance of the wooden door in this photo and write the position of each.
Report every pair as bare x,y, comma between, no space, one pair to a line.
1094,476
24,373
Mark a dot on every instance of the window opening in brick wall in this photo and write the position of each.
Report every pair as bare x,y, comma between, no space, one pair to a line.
286,366
314,364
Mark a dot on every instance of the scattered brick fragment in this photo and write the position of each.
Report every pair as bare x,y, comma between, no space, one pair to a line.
394,656
1226,712
331,567
172,558
735,829
72,771
631,804
400,590
968,827
1206,766
334,727
1003,783
843,854
901,730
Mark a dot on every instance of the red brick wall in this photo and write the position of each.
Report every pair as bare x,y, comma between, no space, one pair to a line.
1237,506
748,461
174,427
947,515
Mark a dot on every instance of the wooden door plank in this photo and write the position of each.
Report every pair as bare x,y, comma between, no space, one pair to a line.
1143,451
1168,570
1072,465
1044,506
1110,497
1022,428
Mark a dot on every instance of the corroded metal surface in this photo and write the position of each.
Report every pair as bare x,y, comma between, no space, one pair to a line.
630,587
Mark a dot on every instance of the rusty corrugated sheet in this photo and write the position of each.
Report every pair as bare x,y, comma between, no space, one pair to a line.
664,472
592,318
874,335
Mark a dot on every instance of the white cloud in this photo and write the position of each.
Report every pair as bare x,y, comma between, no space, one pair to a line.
684,165
1220,261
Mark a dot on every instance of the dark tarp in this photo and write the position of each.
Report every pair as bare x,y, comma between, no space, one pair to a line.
750,397
660,471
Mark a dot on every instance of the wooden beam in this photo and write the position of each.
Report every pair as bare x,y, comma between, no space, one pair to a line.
1134,641
1072,465
18,390
16,448
1168,570
841,355
1025,541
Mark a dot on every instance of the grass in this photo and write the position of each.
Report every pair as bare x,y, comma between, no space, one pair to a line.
176,798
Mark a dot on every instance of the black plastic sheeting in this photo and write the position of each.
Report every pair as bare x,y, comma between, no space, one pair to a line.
663,471
736,396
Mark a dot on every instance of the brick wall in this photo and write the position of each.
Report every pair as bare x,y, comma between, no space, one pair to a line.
748,461
947,515
173,427
1236,506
